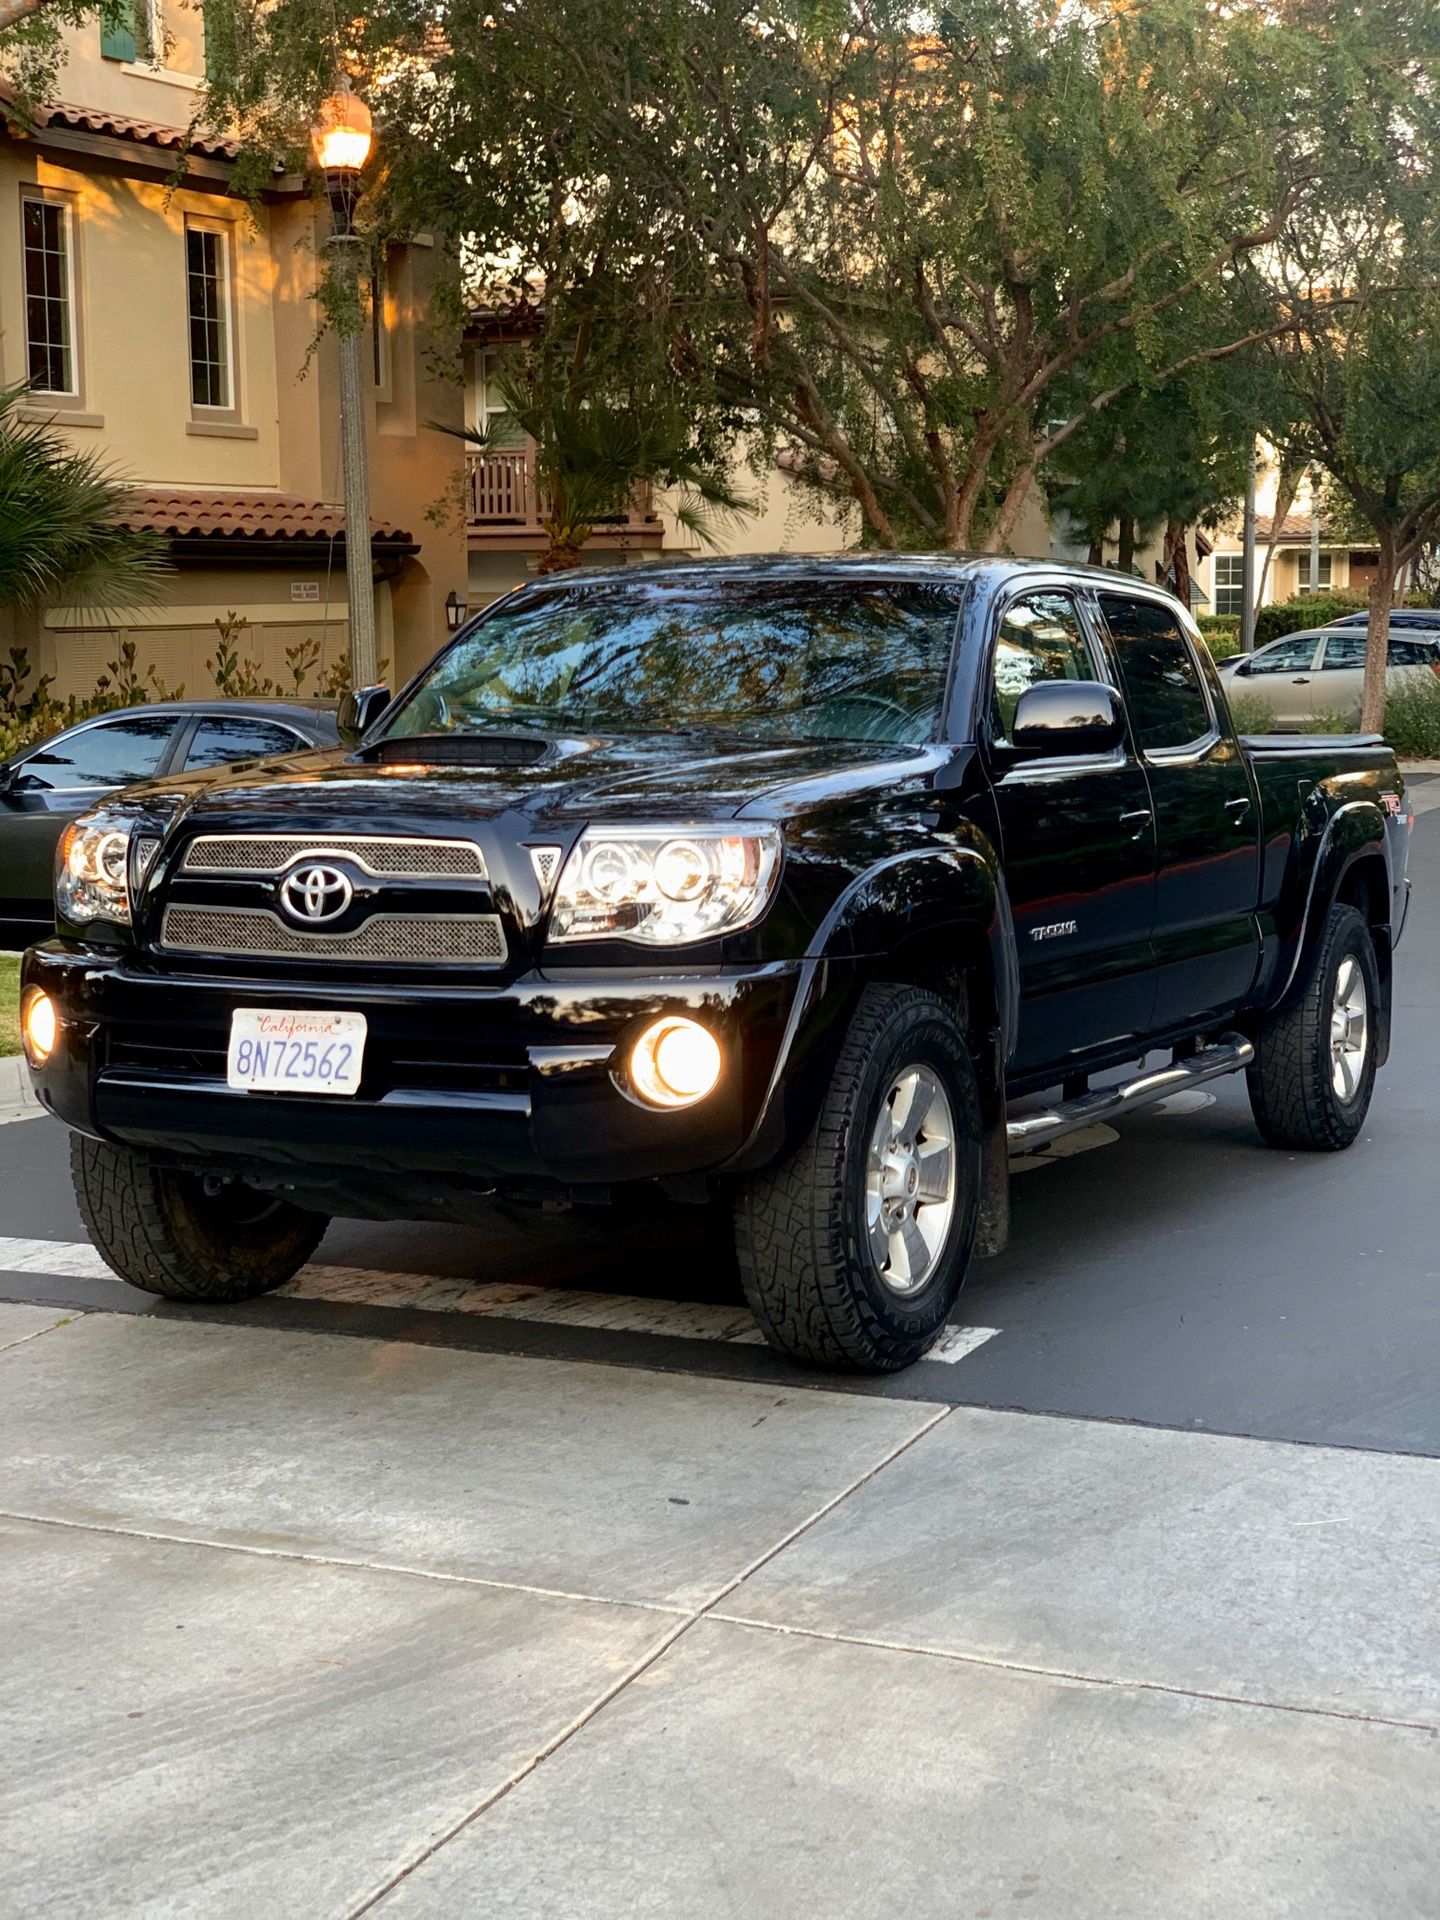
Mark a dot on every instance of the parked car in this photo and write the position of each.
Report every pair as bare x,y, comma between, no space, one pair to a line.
43,788
770,886
1307,676
1426,619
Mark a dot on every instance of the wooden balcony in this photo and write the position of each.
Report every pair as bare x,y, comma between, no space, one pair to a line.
504,506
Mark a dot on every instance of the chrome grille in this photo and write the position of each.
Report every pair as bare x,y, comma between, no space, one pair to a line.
271,853
409,939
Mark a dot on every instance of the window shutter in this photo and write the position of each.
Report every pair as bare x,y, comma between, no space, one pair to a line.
117,33
209,45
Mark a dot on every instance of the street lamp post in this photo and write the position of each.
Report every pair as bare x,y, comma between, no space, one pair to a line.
341,142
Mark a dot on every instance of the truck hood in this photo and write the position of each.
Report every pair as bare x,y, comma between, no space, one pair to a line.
576,779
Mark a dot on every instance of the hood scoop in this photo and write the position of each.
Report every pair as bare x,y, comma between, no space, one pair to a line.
460,750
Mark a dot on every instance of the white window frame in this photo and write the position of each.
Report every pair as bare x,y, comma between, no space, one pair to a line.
1230,587
72,396
1302,572
205,411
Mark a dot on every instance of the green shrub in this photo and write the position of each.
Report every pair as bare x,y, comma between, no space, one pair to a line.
1279,617
1222,641
1307,610
1250,713
1412,720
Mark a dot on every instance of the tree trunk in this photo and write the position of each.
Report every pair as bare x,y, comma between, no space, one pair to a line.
1125,544
1377,641
1286,487
13,11
1096,555
1177,559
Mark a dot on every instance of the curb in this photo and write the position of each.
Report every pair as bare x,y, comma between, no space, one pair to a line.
17,1097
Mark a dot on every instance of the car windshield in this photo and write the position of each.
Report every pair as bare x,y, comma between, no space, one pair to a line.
861,660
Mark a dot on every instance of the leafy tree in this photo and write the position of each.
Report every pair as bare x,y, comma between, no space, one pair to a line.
60,535
1160,459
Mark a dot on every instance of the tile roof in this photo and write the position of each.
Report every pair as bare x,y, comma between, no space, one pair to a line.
120,126
196,514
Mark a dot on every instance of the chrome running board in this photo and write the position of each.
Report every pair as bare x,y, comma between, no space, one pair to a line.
1227,1055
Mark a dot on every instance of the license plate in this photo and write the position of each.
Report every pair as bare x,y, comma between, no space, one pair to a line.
274,1051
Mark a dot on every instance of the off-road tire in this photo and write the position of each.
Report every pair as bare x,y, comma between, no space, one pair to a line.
1291,1092
161,1231
799,1226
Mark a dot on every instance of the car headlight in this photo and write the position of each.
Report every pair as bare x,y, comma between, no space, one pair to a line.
665,886
101,865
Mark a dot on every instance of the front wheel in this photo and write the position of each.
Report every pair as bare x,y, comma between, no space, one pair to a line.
852,1251
186,1235
1314,1068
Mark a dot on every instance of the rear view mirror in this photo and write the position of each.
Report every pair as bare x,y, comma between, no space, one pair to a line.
1065,717
359,711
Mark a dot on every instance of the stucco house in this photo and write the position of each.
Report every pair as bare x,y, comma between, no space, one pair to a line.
170,327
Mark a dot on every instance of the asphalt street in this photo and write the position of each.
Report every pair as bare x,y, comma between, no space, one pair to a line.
1173,1272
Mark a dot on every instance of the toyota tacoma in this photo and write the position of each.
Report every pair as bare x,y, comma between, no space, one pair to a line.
809,889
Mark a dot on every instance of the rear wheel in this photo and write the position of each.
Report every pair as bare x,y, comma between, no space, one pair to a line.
185,1235
1314,1068
852,1251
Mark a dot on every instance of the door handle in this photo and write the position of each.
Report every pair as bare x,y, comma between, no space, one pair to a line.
1303,681
1138,815
1238,805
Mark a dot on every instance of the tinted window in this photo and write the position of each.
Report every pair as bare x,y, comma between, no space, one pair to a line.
1162,683
220,739
1040,638
111,754
1412,653
1286,656
1344,650
769,659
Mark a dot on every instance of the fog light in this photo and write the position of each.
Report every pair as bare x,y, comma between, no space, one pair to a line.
40,1025
675,1063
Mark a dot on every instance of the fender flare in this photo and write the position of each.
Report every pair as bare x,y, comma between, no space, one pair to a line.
1355,831
870,920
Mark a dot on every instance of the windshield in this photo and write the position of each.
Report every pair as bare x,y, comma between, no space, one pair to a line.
772,661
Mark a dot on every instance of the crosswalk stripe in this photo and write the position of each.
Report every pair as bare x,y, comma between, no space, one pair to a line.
497,1299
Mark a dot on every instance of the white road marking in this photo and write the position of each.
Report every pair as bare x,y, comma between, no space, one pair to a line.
503,1300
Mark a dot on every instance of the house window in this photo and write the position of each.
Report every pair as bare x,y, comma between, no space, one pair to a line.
207,276
48,240
135,31
1229,582
1302,571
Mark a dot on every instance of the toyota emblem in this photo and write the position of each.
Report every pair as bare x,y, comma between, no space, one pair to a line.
314,894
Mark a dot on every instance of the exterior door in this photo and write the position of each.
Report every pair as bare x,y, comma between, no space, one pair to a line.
1207,825
1283,676
1079,853
56,782
1340,676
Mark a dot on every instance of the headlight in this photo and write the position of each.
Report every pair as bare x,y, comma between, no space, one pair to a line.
102,863
665,886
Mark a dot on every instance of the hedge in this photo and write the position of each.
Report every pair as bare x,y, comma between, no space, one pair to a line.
1280,617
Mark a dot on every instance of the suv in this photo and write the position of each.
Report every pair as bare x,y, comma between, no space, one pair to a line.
769,885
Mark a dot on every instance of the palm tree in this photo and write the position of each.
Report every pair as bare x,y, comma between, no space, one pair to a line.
60,531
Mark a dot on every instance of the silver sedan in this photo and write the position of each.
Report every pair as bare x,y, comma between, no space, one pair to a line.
1308,677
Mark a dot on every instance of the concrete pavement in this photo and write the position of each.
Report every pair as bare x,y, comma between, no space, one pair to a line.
307,1625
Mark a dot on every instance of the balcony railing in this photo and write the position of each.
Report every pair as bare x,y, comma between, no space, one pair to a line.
506,504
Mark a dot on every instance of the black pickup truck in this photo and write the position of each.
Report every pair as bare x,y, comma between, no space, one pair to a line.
770,885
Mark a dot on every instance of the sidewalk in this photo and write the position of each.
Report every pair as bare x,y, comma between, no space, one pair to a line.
302,1625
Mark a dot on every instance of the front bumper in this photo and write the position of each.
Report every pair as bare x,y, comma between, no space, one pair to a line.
509,1084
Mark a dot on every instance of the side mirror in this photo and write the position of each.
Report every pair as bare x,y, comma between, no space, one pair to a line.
1242,670
359,711
1059,718
7,778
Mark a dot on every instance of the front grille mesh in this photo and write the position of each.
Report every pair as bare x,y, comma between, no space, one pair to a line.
268,854
411,939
